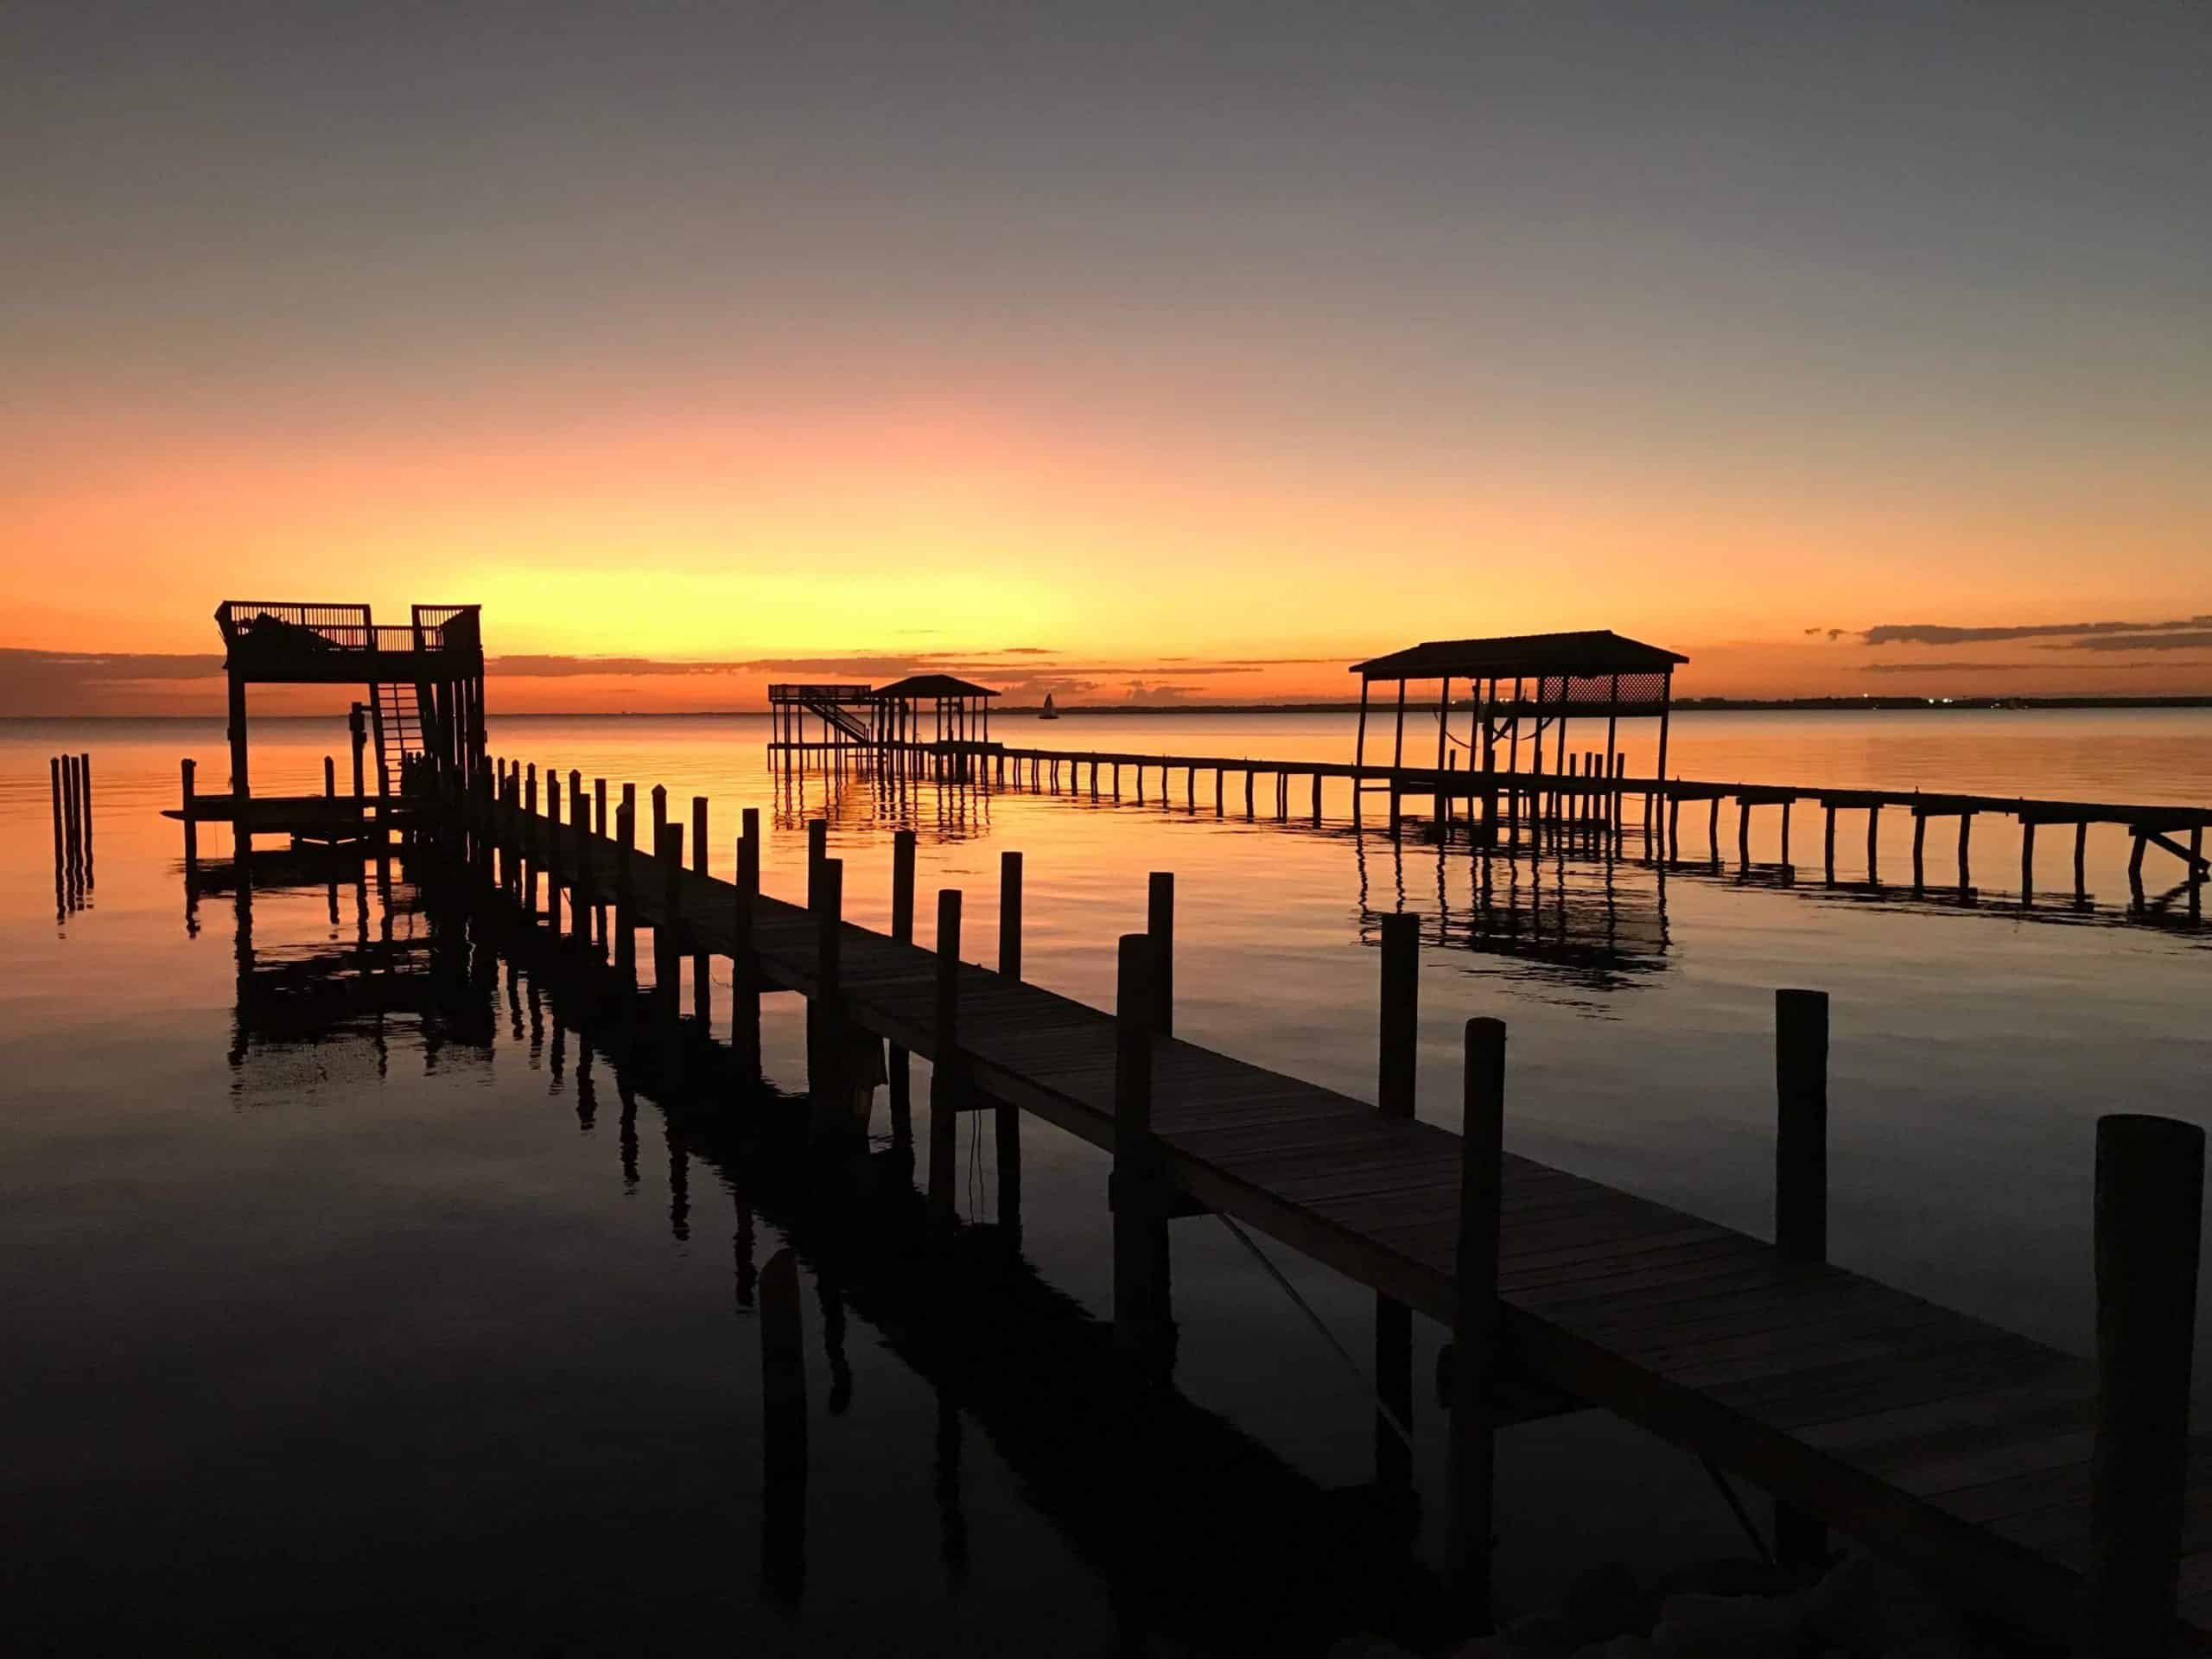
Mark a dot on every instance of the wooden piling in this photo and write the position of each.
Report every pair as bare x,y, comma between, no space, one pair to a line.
745,968
1008,1117
2149,1197
902,929
944,1081
1827,846
1471,1475
1873,830
1800,1190
702,966
2080,863
329,778
1139,1202
1743,834
2027,860
189,767
828,1084
1159,928
1966,871
626,894
1397,1043
1919,852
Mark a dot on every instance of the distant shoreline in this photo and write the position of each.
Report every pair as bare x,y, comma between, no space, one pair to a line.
1165,710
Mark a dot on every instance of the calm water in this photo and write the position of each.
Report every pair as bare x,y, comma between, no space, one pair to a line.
348,1306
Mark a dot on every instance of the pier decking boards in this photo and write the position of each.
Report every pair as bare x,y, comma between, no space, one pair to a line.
1959,1448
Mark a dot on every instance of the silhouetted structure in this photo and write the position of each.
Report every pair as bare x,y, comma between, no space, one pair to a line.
1537,683
425,708
926,722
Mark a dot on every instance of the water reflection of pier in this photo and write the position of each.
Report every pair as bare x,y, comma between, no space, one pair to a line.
406,964
1589,925
1205,1536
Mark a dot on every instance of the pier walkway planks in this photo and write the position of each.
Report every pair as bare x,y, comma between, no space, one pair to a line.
1943,1441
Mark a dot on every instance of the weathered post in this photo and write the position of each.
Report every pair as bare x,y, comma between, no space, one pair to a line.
1141,1325
1398,1037
357,727
2080,862
1827,848
625,890
1471,1478
1873,832
2027,860
191,825
1159,928
702,966
61,834
660,816
745,967
580,906
1008,1124
329,778
555,874
902,930
1800,1190
668,957
828,1084
2150,1200
945,1069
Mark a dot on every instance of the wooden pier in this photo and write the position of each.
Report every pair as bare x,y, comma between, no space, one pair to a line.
2064,1496
1607,813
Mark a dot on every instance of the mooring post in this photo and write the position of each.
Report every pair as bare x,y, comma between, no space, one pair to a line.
745,966
1828,849
660,814
668,932
626,895
1159,928
1966,832
1247,791
902,930
329,778
61,834
1743,834
702,966
944,1068
2150,1200
1217,791
2080,862
1919,851
191,825
1800,1190
555,872
1470,1476
829,1086
2027,860
579,908
1141,1327
1008,1115
817,848
1873,828
1397,1039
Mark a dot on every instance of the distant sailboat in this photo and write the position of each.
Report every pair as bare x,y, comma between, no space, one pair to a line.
1048,712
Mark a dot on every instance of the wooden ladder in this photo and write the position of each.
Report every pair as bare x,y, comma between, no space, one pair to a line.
398,729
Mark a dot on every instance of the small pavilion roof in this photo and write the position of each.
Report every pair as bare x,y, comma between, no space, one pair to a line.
1592,650
918,687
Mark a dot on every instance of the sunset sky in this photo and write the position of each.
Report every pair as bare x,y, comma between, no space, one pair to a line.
1155,354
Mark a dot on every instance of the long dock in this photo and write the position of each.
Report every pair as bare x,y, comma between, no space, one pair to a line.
1973,1455
1582,803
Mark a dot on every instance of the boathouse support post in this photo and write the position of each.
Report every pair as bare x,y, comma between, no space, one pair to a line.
1008,1117
901,1070
1159,928
1144,1329
241,790
1800,1190
945,1082
1471,1474
2149,1198
1397,1040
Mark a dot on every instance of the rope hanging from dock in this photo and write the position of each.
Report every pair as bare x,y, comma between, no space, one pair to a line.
1383,1409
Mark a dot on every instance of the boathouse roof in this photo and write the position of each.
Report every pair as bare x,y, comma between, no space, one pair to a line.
1592,651
921,687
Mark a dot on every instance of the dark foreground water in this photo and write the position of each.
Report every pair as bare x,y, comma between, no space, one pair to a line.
356,1297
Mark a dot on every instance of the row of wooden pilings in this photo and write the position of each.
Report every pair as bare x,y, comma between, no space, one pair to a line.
71,776
2148,1180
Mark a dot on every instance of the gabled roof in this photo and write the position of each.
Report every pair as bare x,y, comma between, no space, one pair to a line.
916,686
1592,650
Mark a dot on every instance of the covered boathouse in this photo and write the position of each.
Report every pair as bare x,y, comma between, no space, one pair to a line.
1523,688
